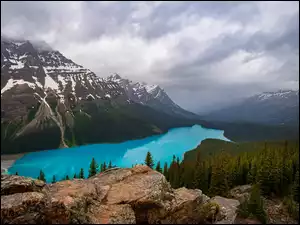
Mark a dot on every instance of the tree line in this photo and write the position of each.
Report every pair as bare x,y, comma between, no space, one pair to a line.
93,170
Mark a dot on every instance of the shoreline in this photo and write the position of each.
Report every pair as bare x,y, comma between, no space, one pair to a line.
8,160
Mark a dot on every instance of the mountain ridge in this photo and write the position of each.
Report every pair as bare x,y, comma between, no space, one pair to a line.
268,108
151,95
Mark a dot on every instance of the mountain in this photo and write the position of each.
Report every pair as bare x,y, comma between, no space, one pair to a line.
269,108
49,101
150,95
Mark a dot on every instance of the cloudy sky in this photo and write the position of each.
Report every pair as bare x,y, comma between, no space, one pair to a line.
204,54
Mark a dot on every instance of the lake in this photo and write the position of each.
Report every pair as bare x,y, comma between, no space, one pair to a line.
67,161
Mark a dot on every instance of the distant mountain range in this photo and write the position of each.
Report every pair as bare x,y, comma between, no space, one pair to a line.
47,101
269,108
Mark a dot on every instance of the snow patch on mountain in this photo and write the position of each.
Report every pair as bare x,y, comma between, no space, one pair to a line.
37,82
50,83
11,83
278,94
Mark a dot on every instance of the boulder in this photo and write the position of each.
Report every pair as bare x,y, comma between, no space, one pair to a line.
28,207
69,201
185,207
240,193
11,184
227,209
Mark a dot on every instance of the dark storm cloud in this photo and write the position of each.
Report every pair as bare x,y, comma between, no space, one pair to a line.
205,54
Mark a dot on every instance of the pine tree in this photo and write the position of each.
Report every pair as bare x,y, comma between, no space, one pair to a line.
81,174
166,171
42,176
265,176
75,176
158,168
295,188
200,179
67,177
219,178
255,204
53,179
149,160
17,173
109,165
104,166
93,168
174,173
251,177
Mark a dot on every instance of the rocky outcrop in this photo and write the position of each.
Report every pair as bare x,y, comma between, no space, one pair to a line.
128,196
241,193
227,209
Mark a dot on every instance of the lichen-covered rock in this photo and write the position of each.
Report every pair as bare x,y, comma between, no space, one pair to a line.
145,188
28,207
11,184
185,207
241,193
69,201
227,212
112,214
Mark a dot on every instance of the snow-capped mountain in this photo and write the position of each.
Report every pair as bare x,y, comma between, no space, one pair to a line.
24,65
142,92
47,101
281,107
150,95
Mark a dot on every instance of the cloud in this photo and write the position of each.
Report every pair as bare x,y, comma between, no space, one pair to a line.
205,54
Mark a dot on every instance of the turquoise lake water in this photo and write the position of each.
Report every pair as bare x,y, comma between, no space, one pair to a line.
62,162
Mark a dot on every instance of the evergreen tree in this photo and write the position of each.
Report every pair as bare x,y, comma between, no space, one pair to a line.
109,165
53,179
93,168
67,177
158,168
149,160
219,178
104,166
251,177
17,173
101,168
255,205
295,188
42,176
166,171
200,177
81,174
174,173
75,176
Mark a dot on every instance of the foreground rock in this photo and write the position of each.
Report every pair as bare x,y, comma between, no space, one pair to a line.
128,196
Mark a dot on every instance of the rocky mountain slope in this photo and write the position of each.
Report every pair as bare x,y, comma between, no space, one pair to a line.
150,95
270,108
128,196
48,101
